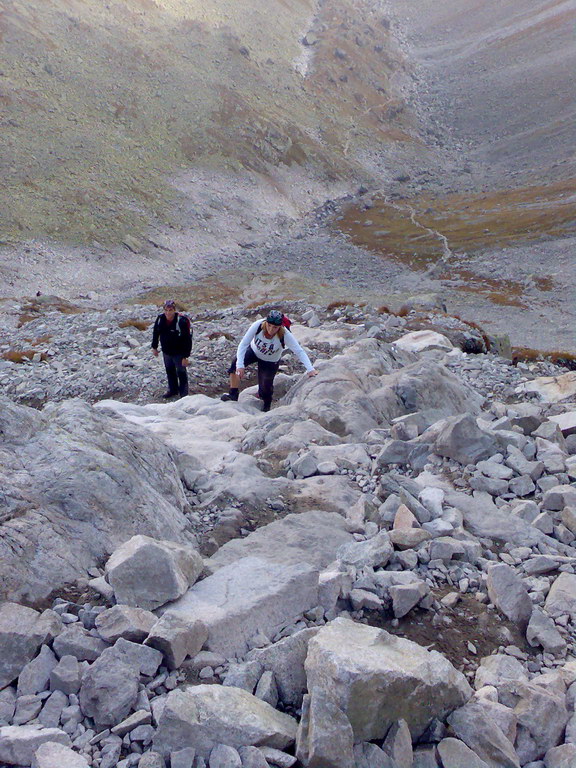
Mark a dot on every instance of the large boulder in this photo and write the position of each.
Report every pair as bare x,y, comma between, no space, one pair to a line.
248,597
311,537
376,678
147,573
206,715
75,473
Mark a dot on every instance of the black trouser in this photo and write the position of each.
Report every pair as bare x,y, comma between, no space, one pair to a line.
266,372
177,374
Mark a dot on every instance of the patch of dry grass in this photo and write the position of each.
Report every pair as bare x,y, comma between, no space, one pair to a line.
140,325
22,355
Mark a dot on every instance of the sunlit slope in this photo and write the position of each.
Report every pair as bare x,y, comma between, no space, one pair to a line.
101,101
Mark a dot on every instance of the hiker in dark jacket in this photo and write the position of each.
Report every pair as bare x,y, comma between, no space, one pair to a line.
175,336
263,343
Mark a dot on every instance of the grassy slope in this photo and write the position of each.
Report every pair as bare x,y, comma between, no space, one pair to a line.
100,101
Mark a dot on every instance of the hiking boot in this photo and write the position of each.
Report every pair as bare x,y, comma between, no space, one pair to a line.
228,396
168,395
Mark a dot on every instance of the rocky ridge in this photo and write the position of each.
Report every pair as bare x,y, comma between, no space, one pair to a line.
402,523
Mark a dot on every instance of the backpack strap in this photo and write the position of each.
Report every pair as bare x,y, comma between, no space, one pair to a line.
280,334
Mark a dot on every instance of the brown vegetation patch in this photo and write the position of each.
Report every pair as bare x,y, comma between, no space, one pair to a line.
558,357
22,355
140,325
471,223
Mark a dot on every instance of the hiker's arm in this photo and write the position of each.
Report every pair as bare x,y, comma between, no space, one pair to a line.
155,337
243,347
293,345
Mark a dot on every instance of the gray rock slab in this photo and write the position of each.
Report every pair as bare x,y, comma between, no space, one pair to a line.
479,732
508,593
377,678
455,754
224,756
21,634
461,439
563,756
109,689
182,758
207,715
66,675
35,676
541,631
248,596
372,553
562,596
19,743
541,714
147,573
498,668
177,638
125,621
54,755
325,736
7,705
286,660
76,641
52,710
310,537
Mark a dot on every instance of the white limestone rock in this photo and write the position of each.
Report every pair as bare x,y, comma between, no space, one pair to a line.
248,596
377,678
147,573
462,440
311,537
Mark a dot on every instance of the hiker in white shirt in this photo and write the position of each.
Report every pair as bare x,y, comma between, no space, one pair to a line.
263,343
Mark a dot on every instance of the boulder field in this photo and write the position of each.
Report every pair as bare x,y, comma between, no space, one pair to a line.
378,572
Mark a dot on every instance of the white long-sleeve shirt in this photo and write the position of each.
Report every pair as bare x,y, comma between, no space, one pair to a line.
269,349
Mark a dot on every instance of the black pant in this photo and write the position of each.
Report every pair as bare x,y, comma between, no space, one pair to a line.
266,372
177,374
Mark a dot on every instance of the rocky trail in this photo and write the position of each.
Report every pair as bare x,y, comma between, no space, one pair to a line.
378,572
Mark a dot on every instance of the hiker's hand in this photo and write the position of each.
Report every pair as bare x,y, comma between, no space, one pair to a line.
240,373
185,362
311,373
155,352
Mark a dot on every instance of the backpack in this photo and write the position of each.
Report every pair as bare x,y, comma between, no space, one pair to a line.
286,322
187,324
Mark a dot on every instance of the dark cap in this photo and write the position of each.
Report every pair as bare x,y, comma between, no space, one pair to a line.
275,317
